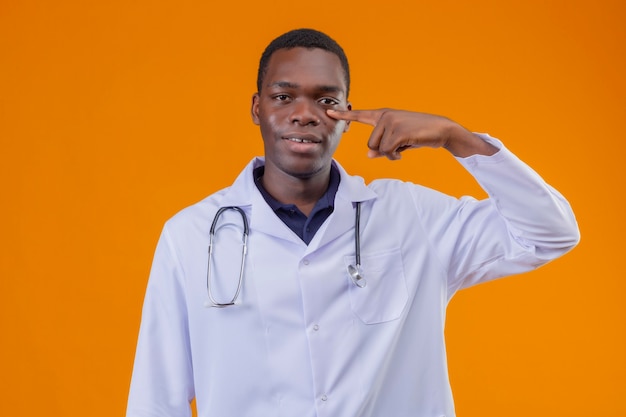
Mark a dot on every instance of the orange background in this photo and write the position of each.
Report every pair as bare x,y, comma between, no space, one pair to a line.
116,114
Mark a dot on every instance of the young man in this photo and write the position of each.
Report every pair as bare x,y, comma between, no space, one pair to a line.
336,305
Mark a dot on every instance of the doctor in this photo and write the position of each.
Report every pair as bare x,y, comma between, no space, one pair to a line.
303,334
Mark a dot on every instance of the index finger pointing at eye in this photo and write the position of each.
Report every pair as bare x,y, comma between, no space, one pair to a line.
369,117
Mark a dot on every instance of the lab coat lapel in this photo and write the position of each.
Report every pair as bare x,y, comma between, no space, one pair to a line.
351,189
339,222
264,220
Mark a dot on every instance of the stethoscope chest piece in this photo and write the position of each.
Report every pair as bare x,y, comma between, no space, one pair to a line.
355,274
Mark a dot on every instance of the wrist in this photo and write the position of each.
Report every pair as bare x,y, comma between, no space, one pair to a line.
462,143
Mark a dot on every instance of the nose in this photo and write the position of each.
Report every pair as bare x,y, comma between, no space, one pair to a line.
305,113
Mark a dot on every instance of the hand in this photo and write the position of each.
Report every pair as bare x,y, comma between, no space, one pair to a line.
398,130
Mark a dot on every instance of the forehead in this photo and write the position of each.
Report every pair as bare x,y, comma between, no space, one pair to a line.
304,66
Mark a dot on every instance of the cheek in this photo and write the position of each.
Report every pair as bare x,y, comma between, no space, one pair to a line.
270,122
339,127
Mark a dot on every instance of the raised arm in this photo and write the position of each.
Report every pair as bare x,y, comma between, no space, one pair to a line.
525,222
398,130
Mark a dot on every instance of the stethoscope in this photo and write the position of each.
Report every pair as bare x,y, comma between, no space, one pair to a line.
353,270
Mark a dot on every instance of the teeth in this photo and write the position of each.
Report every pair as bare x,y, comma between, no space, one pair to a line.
300,140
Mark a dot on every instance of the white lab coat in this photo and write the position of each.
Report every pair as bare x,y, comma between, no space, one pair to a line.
304,340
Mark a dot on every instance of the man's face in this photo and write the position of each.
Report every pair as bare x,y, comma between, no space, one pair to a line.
299,86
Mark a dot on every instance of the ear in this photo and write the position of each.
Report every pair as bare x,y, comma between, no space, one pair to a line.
254,110
347,126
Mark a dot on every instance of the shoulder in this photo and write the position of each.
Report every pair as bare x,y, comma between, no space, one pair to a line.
409,200
393,189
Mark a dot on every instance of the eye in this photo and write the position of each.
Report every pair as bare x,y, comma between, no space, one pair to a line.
327,101
281,97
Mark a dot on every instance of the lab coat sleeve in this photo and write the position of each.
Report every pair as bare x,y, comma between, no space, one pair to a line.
523,224
162,381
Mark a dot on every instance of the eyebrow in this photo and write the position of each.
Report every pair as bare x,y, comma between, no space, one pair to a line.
324,88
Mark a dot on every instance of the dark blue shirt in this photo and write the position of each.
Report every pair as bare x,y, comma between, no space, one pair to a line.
305,227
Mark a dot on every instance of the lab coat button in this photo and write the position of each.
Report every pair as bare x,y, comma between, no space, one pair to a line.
306,262
316,327
324,397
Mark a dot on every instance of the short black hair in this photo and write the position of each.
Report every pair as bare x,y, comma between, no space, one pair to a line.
303,38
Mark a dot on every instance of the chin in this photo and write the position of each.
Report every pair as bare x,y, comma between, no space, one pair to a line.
304,173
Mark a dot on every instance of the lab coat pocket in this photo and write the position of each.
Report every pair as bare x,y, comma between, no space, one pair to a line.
385,294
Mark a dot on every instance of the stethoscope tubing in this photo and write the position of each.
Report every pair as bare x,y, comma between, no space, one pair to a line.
353,270
246,231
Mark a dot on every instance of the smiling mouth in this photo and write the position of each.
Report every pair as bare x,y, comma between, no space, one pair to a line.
302,140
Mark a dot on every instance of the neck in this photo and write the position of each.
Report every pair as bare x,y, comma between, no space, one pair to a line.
302,192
